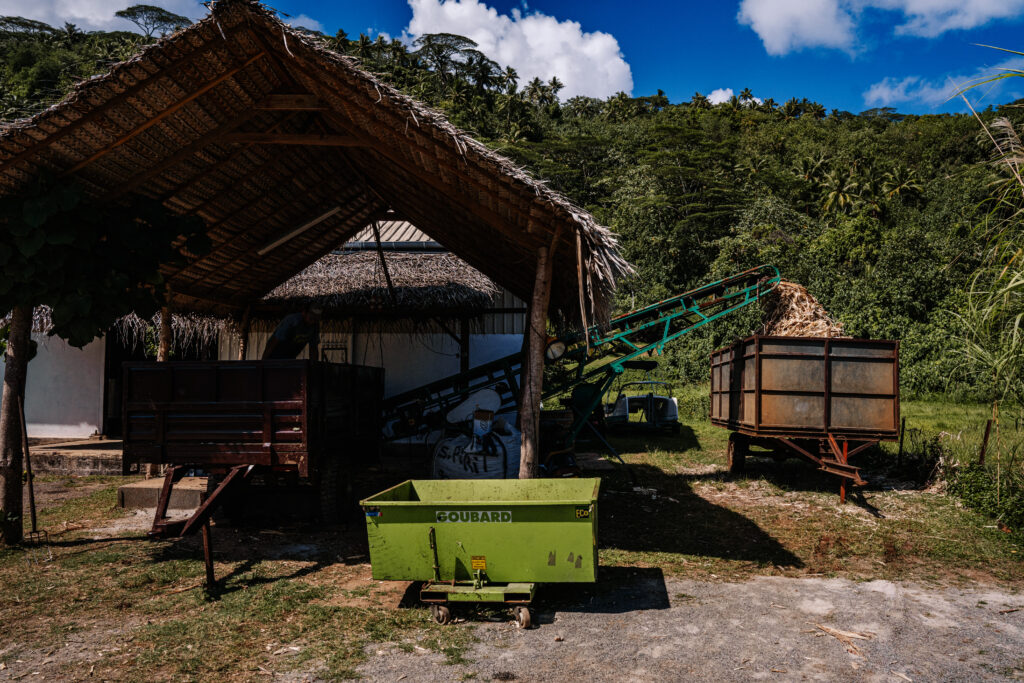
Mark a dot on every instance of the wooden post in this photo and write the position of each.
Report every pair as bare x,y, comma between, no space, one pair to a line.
16,363
899,453
211,579
984,443
163,350
533,363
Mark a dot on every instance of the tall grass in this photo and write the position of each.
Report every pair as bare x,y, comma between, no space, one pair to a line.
943,442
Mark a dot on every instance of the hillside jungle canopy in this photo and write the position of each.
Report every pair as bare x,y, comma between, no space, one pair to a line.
879,214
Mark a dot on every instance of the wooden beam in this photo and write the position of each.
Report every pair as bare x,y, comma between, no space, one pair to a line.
291,102
162,115
308,139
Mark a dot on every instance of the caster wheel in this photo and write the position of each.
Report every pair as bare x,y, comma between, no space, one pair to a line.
441,614
523,617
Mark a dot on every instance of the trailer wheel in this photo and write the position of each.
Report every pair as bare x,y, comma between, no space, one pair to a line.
441,614
736,454
523,617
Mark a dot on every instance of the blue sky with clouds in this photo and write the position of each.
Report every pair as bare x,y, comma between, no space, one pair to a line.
846,54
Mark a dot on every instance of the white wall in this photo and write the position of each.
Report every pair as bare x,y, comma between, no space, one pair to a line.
64,389
409,360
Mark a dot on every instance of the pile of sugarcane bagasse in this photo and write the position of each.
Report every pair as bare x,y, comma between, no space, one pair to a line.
791,311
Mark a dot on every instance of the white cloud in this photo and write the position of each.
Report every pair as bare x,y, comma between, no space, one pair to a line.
788,25
720,95
534,44
916,90
304,21
93,14
930,18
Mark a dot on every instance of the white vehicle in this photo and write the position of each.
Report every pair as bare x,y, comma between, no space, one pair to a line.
637,406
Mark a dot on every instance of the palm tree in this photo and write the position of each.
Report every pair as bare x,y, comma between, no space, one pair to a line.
554,86
746,96
870,193
509,80
534,91
791,109
816,110
901,182
699,101
840,192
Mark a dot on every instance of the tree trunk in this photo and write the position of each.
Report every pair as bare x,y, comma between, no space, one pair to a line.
533,367
163,351
16,359
243,335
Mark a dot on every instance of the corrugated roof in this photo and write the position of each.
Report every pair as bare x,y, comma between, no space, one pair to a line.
393,232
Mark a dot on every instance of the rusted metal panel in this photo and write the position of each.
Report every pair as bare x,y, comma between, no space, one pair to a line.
806,387
217,414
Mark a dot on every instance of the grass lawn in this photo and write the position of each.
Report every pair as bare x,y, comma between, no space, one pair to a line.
104,602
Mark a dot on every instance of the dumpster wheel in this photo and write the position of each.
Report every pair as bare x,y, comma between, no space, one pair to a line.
523,617
441,614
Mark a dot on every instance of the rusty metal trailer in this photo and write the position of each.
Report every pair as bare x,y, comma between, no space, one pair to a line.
289,417
823,399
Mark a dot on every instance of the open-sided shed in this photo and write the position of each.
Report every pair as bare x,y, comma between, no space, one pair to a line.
285,149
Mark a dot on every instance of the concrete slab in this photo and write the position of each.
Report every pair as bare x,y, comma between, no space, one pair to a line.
79,458
187,494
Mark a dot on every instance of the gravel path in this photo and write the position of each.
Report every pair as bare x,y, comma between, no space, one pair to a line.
639,627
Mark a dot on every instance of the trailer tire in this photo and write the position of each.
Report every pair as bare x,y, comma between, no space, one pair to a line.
523,617
736,454
441,614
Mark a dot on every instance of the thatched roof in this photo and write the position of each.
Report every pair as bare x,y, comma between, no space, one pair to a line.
286,149
353,284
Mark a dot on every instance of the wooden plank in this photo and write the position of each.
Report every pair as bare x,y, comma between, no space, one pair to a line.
307,139
162,115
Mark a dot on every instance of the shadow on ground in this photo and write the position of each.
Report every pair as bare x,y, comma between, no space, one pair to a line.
666,516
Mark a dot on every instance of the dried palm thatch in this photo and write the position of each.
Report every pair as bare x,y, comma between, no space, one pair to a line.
428,286
354,283
286,149
791,311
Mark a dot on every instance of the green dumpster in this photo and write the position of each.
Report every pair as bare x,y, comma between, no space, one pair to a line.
476,540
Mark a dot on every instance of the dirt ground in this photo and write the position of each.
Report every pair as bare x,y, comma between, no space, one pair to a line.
701,576
642,627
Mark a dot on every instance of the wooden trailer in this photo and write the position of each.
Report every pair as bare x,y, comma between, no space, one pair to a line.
823,399
304,418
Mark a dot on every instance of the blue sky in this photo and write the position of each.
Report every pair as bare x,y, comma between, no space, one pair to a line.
846,54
